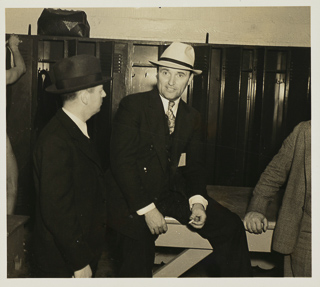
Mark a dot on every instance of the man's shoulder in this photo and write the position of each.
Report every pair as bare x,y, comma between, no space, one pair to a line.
138,100
304,125
302,128
191,111
52,131
139,96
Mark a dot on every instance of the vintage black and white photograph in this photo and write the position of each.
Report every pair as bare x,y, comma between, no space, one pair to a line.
159,140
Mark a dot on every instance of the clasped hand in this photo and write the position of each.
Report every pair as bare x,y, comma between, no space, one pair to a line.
198,216
255,222
14,42
156,222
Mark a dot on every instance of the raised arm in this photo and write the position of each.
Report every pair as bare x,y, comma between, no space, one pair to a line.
13,74
274,176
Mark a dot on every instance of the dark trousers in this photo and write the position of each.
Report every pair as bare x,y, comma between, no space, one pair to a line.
62,273
223,229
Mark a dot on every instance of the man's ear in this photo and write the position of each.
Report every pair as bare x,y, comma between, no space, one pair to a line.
190,78
84,97
157,74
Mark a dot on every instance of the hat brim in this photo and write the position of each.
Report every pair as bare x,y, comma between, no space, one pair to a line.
53,89
175,66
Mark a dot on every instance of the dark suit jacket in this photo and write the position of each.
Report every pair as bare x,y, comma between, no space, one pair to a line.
292,164
71,193
139,161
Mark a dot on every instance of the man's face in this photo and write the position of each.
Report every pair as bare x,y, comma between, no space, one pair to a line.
95,98
172,82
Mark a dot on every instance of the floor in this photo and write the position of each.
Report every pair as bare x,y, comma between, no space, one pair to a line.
205,268
107,266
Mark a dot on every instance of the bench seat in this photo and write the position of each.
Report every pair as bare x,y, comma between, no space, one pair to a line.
196,248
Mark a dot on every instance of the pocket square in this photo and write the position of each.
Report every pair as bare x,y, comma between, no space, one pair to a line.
182,160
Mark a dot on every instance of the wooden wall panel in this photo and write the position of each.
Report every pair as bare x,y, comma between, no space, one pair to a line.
299,102
251,173
250,98
100,124
213,112
228,121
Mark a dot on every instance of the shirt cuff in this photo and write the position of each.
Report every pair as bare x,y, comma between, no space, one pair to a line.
198,199
146,209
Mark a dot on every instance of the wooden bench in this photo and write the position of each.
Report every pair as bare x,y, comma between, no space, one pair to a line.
195,248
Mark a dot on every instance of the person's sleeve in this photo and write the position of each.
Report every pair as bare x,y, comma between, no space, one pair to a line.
123,155
146,209
274,176
54,169
194,171
198,199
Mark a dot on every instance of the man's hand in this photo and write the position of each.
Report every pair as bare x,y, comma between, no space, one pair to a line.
84,272
198,216
156,222
18,67
14,42
255,222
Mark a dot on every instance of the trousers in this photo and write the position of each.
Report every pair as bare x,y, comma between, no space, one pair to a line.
223,228
37,272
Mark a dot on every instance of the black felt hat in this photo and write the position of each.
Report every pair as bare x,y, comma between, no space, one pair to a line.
77,73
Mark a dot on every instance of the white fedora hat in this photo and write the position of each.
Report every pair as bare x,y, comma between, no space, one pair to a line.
178,56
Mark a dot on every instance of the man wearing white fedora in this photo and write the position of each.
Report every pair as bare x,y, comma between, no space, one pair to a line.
70,219
157,170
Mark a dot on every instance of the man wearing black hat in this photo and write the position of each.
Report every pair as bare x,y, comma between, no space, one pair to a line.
157,164
70,209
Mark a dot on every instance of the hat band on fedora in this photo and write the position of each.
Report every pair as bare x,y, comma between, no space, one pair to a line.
176,62
78,81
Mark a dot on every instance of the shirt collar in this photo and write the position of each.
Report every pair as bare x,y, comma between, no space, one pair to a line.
80,124
165,103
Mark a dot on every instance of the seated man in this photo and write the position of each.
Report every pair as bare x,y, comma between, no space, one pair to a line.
157,170
292,235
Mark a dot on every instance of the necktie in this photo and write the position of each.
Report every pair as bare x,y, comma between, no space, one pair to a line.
171,117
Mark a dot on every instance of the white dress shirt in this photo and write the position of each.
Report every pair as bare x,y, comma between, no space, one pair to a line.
192,200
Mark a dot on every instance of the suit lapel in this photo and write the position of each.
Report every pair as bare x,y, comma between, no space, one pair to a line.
79,138
155,117
183,126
